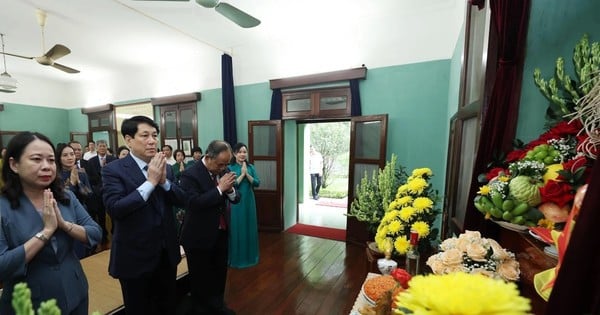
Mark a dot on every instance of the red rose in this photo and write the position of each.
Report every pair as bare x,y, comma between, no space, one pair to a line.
515,155
402,276
564,128
557,192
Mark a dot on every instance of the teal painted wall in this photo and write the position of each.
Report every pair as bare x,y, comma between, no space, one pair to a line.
555,26
210,117
415,97
52,122
78,122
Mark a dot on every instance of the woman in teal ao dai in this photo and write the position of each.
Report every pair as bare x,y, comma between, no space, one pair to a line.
243,238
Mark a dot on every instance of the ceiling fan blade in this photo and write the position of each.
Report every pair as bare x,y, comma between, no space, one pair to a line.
236,15
58,51
64,68
7,91
19,56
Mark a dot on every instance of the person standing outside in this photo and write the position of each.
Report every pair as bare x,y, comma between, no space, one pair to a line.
206,227
243,239
316,172
91,151
40,221
139,194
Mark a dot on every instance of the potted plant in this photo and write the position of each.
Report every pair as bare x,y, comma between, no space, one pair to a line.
374,194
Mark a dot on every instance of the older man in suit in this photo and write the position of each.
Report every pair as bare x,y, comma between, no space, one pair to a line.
204,236
93,168
139,194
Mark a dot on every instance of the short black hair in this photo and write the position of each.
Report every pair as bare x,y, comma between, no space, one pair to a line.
196,149
129,127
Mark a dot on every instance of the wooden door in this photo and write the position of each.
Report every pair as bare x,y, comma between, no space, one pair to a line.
368,144
265,146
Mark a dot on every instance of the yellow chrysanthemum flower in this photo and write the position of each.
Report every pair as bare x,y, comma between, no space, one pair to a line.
404,201
394,227
484,190
417,185
393,205
406,213
402,190
420,172
461,293
401,244
422,228
503,178
422,203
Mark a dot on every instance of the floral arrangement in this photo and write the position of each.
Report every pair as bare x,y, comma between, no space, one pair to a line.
374,194
537,180
412,209
460,293
471,253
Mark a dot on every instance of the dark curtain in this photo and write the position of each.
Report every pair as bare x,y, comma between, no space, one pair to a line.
509,21
276,104
229,129
355,95
577,286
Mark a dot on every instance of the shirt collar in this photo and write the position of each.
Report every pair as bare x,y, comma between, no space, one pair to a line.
141,163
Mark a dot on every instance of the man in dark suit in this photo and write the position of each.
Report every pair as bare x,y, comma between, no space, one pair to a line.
77,149
94,170
209,187
139,194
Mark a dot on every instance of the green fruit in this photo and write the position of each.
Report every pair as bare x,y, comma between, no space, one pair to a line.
486,203
540,156
497,200
479,207
520,209
549,160
518,220
507,216
496,213
526,189
508,205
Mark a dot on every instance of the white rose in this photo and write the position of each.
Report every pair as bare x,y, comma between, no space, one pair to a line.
476,252
509,270
452,257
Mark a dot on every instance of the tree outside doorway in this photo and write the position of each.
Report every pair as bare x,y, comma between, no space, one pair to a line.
332,140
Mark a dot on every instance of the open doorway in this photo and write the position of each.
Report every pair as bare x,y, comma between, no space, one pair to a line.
327,206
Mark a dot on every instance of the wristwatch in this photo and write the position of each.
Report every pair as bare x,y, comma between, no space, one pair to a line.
41,236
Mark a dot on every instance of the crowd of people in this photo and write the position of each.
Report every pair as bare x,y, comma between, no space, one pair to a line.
54,202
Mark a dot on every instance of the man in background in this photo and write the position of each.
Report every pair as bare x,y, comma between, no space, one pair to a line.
316,172
94,170
91,152
80,162
196,156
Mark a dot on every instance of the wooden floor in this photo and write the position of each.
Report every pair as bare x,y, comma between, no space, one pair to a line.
298,275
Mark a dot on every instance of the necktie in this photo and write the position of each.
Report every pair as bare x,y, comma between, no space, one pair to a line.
222,221
102,161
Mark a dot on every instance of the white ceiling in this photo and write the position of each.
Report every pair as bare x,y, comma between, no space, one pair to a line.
128,50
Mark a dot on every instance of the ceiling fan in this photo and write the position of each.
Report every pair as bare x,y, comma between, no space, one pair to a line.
53,54
234,14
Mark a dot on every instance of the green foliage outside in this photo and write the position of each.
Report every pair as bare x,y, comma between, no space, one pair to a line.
338,188
331,140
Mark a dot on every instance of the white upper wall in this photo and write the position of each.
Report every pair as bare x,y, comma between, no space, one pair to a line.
135,57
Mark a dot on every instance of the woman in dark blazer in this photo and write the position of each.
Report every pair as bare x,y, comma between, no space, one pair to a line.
40,221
